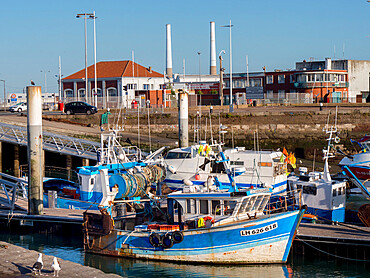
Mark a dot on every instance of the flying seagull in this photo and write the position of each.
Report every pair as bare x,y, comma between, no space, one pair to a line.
32,83
56,266
38,265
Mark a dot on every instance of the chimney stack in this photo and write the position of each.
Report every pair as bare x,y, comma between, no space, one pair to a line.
213,67
168,51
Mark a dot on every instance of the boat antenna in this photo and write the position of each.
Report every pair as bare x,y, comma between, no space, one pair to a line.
150,138
314,158
210,125
232,136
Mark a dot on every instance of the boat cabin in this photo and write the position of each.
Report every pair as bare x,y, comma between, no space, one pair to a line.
221,207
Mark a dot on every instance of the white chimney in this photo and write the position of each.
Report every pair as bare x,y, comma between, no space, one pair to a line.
213,67
328,63
168,51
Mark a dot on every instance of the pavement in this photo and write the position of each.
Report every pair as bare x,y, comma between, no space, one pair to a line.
16,261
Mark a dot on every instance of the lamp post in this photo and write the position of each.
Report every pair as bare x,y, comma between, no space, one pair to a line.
4,94
231,108
95,75
221,78
46,84
85,16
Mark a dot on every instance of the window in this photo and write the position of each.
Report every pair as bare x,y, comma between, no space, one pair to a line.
68,93
216,207
178,155
238,163
81,92
270,94
281,79
112,92
334,192
281,94
318,77
292,78
204,207
99,92
269,79
20,97
131,86
309,190
146,86
255,82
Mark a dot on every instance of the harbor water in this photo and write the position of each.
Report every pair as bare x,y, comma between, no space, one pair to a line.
71,249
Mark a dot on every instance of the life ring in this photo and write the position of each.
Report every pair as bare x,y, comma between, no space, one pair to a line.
167,240
177,237
336,140
13,96
155,240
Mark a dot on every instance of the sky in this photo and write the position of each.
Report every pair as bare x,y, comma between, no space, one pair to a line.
275,34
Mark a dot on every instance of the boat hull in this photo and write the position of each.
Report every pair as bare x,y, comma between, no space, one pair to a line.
265,240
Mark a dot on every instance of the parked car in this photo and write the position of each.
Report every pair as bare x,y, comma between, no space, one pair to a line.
19,107
79,107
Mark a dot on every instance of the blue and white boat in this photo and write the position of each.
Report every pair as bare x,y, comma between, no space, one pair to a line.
323,196
213,226
198,165
119,173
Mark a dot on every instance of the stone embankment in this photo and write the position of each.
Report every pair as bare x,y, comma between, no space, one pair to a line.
16,261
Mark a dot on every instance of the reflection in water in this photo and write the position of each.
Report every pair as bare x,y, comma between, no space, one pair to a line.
70,248
148,269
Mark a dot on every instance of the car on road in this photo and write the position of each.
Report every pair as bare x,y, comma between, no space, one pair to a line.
79,107
19,107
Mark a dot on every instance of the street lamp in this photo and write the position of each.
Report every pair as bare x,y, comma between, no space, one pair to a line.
231,109
221,78
4,94
95,75
199,65
46,84
85,16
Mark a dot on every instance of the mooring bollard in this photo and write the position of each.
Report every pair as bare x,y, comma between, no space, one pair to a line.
34,148
321,106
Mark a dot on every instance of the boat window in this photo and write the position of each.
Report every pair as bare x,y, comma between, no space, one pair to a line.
309,190
334,192
263,203
217,167
178,155
229,207
190,206
243,206
258,202
250,204
204,207
92,181
216,207
339,191
237,163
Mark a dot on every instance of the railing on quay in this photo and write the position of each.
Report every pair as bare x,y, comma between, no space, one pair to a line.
51,142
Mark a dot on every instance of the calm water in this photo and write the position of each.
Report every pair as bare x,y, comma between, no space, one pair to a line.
71,249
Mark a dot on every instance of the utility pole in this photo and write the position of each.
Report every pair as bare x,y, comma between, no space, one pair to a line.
221,78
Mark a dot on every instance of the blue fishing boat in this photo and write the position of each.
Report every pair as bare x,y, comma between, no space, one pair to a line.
213,225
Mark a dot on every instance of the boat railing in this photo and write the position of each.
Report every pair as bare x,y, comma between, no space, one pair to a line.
291,201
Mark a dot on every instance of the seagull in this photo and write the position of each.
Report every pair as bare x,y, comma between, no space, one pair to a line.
38,265
56,266
32,83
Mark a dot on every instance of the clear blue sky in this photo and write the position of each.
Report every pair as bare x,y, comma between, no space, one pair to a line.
272,33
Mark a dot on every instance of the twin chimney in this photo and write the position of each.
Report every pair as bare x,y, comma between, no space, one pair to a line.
213,66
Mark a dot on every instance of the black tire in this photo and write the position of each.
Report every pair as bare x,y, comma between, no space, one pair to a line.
155,240
19,110
88,112
69,112
177,237
166,240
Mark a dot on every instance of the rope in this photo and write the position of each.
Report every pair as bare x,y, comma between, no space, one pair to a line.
329,254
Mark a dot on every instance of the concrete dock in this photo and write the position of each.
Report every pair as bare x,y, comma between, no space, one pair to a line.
16,261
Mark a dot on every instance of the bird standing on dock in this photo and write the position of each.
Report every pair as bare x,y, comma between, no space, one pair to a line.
56,266
38,265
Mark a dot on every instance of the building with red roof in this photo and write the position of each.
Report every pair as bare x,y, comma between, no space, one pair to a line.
119,83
